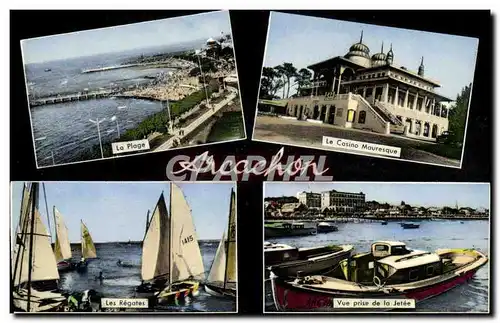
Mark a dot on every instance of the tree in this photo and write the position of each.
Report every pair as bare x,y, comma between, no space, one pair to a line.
303,78
458,115
270,83
289,71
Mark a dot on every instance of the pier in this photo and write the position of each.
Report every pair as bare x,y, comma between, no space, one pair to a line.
80,96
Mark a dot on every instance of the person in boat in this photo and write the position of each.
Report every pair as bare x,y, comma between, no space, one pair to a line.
119,262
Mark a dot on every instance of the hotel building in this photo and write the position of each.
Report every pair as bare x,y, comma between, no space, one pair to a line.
372,93
310,199
342,201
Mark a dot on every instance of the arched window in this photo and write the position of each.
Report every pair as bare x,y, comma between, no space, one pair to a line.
351,114
362,117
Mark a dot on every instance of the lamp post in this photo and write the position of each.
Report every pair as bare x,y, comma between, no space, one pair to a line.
97,122
114,118
170,124
198,53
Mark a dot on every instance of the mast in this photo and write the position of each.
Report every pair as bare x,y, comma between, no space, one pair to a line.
47,210
226,244
147,227
23,222
55,223
30,257
81,235
169,216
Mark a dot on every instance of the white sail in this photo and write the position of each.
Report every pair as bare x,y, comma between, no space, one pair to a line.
186,261
44,266
224,265
62,247
155,246
88,248
218,270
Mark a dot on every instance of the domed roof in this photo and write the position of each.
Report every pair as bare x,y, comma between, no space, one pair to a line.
379,56
359,49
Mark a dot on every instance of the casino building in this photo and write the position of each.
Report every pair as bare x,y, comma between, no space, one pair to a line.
372,93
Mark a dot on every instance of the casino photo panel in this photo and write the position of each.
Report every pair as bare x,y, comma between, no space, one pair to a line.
365,89
350,247
144,87
123,247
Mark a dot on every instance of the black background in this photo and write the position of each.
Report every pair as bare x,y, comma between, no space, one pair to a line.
249,30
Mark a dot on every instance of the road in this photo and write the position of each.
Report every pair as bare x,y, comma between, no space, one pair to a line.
309,135
195,124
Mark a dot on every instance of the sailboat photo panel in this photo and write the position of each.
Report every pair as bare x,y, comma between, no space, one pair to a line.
183,258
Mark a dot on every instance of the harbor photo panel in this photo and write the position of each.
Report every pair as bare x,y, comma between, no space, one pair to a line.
376,247
173,250
144,87
365,89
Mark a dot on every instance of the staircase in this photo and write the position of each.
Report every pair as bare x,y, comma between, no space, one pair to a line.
397,125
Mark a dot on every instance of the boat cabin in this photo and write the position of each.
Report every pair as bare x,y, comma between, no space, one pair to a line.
390,262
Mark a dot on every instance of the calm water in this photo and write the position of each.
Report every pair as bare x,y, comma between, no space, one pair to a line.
64,130
122,281
432,235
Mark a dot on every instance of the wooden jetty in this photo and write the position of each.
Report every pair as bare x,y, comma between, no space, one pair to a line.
80,96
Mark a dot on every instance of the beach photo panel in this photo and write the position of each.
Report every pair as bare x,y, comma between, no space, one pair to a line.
124,90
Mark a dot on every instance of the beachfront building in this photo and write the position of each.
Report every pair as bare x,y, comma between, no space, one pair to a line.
342,201
371,92
310,199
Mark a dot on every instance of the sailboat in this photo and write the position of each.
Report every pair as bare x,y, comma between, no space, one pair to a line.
62,247
34,267
222,279
88,248
171,258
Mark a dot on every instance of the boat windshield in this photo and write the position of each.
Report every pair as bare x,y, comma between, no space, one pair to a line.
399,250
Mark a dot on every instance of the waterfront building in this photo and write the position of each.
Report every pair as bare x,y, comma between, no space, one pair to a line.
372,93
310,199
342,201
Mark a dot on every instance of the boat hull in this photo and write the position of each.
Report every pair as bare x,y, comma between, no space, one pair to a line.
219,291
178,292
277,232
65,266
312,265
289,297
39,301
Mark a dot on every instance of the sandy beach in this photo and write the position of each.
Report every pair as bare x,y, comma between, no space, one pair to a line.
176,85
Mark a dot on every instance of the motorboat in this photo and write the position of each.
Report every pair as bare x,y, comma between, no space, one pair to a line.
410,226
389,271
315,260
325,227
287,229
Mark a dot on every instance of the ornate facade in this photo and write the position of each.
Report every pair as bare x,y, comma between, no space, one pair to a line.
372,93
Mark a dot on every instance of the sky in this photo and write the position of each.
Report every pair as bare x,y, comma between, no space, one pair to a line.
473,195
126,37
448,59
115,211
